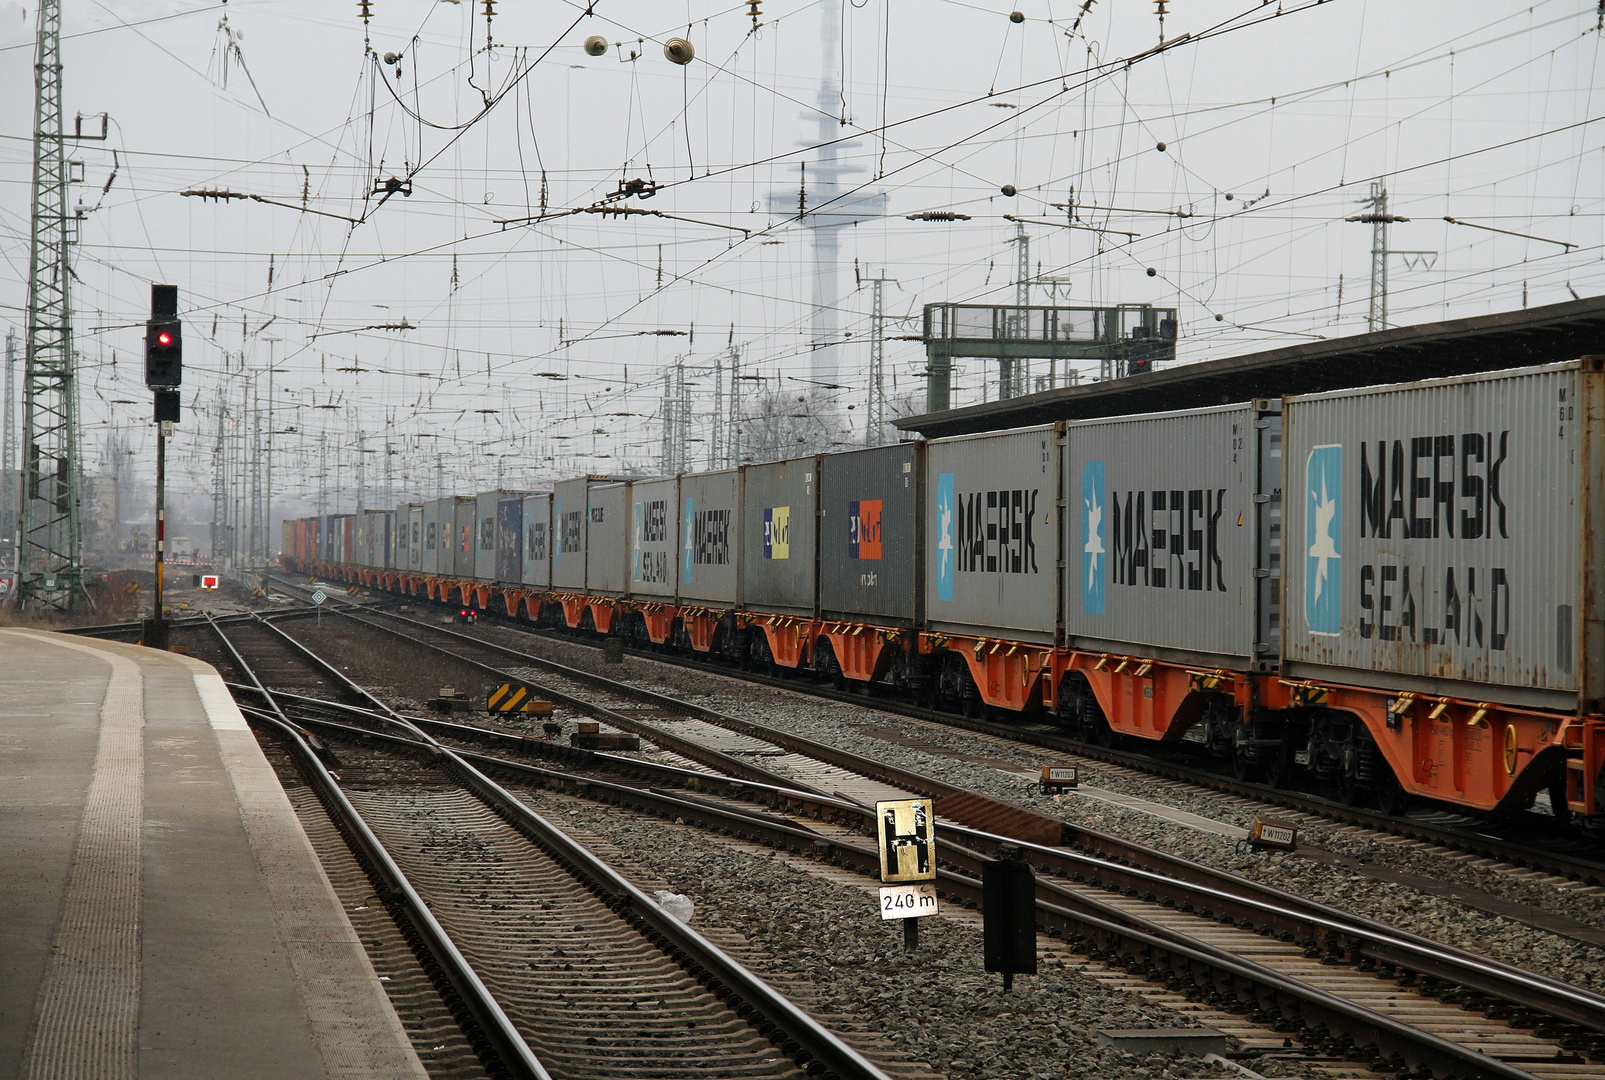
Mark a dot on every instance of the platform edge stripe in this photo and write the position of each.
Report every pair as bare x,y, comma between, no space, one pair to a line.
86,1018
221,710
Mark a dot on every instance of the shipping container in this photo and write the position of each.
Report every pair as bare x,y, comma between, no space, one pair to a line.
415,537
359,533
869,529
779,541
992,534
464,533
287,540
485,531
374,552
537,541
1441,536
654,537
345,542
569,503
437,536
1165,535
401,540
710,537
510,539
607,538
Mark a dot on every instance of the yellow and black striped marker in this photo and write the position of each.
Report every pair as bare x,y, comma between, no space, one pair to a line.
515,697
353,591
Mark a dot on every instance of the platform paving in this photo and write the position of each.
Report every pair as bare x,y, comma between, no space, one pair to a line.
162,913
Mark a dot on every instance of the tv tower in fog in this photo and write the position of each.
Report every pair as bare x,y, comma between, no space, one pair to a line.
823,203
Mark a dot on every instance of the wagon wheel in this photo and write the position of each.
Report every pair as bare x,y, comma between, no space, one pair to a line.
1391,796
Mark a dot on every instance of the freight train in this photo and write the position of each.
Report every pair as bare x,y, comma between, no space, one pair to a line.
1394,590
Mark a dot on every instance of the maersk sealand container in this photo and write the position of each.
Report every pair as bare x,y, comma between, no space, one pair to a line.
607,538
464,536
537,541
654,537
779,521
510,538
1444,537
869,557
485,534
1173,535
992,534
710,534
569,515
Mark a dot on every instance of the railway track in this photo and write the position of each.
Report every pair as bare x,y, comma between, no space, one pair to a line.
561,962
1347,986
1573,858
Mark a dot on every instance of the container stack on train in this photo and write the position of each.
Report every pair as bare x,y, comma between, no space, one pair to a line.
1435,631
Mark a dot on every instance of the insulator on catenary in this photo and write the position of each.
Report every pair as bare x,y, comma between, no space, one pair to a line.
939,215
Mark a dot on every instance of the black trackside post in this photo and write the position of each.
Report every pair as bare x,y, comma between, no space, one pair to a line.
911,934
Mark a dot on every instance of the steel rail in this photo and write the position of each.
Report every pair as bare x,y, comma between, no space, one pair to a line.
399,896
1090,924
1587,870
803,1039
1186,883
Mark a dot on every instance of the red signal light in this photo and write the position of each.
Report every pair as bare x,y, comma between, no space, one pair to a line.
164,339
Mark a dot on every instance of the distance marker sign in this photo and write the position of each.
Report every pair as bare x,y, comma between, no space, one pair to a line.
907,838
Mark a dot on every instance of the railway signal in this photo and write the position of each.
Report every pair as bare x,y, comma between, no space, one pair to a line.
164,372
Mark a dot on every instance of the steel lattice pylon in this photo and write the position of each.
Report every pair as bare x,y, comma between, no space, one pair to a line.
51,564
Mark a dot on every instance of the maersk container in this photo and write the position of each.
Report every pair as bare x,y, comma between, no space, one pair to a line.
710,533
654,537
1170,519
569,512
485,535
607,539
537,541
510,538
437,537
992,534
415,537
1441,536
464,535
869,518
779,541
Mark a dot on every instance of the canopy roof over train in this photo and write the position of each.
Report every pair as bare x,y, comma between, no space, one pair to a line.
1429,350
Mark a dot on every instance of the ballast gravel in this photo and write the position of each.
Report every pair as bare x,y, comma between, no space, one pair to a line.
937,1003
965,759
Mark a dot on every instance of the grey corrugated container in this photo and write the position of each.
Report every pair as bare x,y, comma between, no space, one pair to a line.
778,538
654,537
510,539
607,539
537,541
401,537
710,534
464,534
360,532
1163,535
373,538
1441,536
569,513
869,518
485,532
992,534
415,537
435,538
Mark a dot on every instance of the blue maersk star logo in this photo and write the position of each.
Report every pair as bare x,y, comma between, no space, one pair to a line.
1093,552
1323,525
944,536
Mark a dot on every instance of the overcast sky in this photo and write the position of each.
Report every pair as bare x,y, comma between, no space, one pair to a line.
538,350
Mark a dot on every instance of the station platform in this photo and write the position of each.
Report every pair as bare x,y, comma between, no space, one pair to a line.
162,913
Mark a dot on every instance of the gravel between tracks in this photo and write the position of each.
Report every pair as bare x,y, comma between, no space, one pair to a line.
1432,916
938,1002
